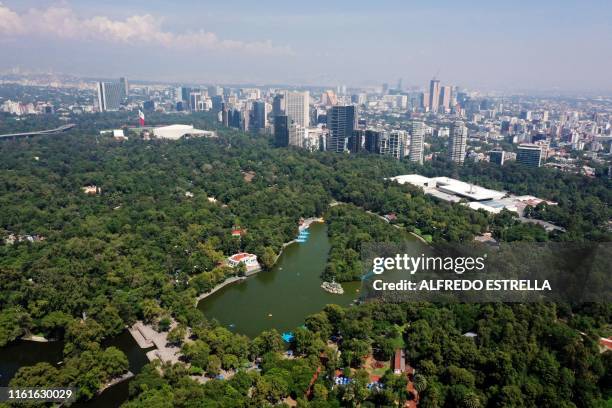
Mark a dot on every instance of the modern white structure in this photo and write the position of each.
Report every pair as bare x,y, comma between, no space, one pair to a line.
476,197
110,95
175,132
297,107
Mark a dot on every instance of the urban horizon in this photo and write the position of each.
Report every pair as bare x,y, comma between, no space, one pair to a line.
491,48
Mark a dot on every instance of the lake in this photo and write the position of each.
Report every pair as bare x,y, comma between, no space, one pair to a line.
282,297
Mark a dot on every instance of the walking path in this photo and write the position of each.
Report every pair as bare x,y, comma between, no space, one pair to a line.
146,336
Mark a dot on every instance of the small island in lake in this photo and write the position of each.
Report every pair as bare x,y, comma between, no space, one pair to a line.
333,287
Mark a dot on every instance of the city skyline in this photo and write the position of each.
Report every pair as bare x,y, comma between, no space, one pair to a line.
523,47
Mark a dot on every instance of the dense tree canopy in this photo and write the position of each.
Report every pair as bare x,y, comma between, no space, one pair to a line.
85,266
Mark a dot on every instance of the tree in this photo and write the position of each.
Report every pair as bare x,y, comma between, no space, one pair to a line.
113,362
13,323
267,341
176,336
420,383
213,367
197,353
268,258
38,375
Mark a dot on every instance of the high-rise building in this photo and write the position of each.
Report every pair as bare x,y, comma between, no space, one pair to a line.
372,140
329,98
217,102
340,123
125,86
434,95
356,141
296,135
445,98
195,101
497,157
278,105
393,144
184,94
281,131
258,121
224,114
417,133
529,155
457,142
110,95
297,107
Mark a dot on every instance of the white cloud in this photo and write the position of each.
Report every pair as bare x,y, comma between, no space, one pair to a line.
64,23
10,22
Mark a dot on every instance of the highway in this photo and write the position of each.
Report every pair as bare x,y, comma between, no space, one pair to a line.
60,129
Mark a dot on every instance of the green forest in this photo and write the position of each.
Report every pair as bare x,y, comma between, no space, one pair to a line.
83,267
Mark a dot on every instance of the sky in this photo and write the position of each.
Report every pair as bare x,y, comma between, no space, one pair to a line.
538,45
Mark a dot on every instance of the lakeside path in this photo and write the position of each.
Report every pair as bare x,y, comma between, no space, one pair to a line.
221,285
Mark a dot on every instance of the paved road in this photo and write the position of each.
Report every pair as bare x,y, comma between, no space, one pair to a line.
60,129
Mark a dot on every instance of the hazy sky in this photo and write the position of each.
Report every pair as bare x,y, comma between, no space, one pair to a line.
517,45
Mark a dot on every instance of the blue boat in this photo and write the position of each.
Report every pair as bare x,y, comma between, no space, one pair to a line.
287,336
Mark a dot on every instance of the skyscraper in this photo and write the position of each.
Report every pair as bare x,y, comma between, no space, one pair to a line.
393,144
434,95
125,86
372,140
217,102
445,98
184,95
281,131
356,141
224,114
340,123
110,95
195,101
278,105
296,135
529,155
417,131
457,142
258,122
297,107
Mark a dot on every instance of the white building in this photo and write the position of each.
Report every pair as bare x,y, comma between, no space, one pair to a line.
175,132
297,107
457,142
417,132
249,260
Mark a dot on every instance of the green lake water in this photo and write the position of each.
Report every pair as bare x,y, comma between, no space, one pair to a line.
282,297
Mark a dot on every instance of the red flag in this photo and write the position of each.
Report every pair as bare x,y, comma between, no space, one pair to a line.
141,118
